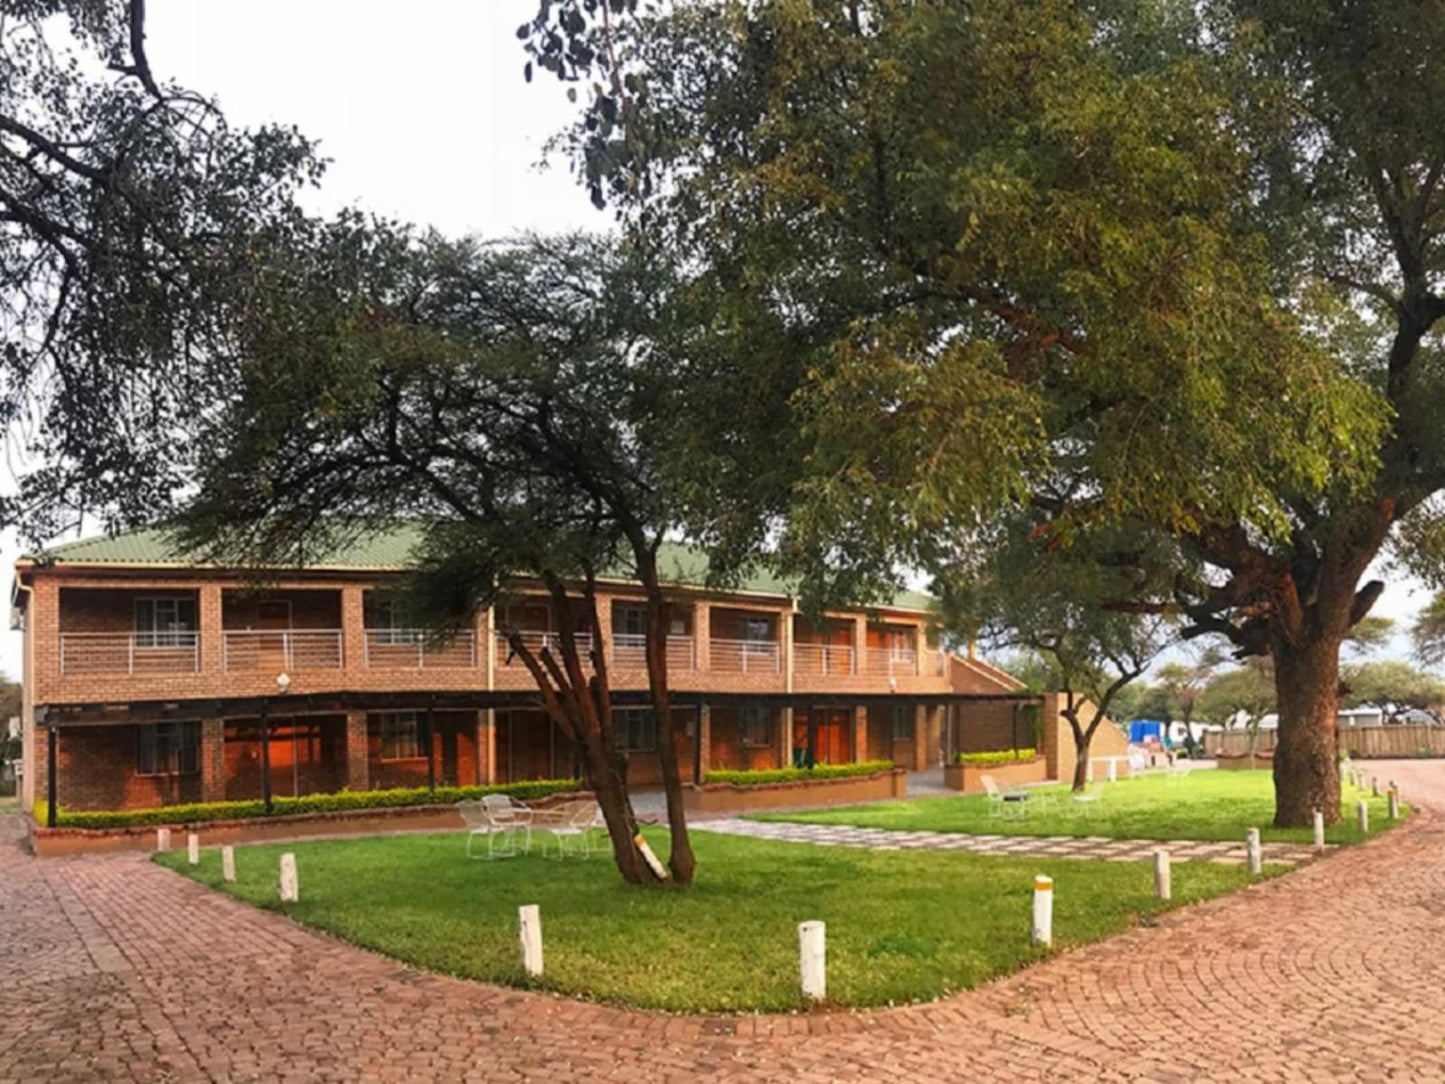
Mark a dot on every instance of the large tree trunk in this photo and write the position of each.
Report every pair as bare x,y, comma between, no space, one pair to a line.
1306,767
609,783
1081,765
681,860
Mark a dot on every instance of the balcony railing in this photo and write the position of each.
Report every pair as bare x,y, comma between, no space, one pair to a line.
629,652
746,656
289,649
420,649
130,652
892,661
538,641
822,659
935,663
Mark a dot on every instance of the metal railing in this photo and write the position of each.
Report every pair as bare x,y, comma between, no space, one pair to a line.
822,659
291,649
130,652
538,641
629,652
746,656
420,649
893,661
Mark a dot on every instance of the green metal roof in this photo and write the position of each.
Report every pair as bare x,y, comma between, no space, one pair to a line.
391,551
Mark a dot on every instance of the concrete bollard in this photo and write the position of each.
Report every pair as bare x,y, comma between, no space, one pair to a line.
1043,910
1319,830
163,840
290,885
1363,812
1113,770
813,959
1374,786
193,849
1162,887
1252,852
529,930
228,864
1394,798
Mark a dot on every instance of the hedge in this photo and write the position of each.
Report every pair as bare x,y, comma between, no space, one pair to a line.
339,802
995,758
764,776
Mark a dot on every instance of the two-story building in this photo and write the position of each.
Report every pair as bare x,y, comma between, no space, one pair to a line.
155,680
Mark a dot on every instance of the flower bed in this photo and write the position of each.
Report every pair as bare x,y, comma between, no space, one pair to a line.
827,784
1008,768
1244,762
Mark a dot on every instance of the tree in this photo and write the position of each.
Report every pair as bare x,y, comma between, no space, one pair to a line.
1179,254
517,401
1240,697
1394,687
131,219
1183,683
1369,634
1428,632
1050,601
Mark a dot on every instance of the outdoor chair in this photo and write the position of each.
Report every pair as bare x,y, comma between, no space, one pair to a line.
571,826
1006,804
1181,768
1086,799
506,823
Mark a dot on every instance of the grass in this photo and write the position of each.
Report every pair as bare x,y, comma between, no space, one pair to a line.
1209,805
902,926
10,804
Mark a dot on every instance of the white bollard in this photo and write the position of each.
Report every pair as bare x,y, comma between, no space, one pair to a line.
813,959
1043,910
1363,811
290,886
1252,851
1162,888
1374,786
163,840
1394,802
1319,830
1113,770
228,864
529,930
193,849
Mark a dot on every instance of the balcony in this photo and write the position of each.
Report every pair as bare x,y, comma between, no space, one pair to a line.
419,649
130,653
282,649
892,661
746,657
815,659
629,652
537,642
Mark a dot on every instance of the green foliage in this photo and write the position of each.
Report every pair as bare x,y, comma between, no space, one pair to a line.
1428,632
1239,696
1393,686
991,760
339,802
764,776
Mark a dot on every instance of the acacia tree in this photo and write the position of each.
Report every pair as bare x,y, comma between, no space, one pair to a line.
1182,683
1181,253
1394,687
1427,632
131,218
519,402
1240,697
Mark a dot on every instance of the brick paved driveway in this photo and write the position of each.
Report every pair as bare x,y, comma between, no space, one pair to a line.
111,968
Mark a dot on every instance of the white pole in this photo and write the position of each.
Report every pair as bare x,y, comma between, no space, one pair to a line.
529,929
813,959
1319,830
193,849
1375,786
1363,810
1162,887
1252,851
1113,770
1394,802
163,840
228,863
290,886
1043,910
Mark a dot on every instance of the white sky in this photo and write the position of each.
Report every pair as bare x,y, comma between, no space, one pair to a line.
422,109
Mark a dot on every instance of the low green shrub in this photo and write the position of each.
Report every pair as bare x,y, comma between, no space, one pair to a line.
996,757
339,802
764,776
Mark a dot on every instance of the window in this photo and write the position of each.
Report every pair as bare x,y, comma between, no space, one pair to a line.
400,737
630,621
755,724
386,622
901,722
756,629
165,622
636,730
169,749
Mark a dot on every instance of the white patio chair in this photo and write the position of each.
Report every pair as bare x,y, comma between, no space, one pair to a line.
505,822
1005,804
1181,768
1085,800
571,826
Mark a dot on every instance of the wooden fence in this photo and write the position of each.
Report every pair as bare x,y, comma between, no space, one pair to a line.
1361,741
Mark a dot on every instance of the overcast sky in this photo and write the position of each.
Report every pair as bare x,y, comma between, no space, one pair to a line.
421,108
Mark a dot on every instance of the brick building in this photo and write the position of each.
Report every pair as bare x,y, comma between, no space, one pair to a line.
157,680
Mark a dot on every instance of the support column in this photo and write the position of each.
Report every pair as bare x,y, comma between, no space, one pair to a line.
210,624
488,745
702,756
860,644
920,737
213,760
266,756
431,750
52,767
358,763
702,634
937,720
785,737
353,626
860,734
785,621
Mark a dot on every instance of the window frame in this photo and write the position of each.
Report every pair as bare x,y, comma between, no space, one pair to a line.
752,714
178,755
392,719
179,634
904,714
627,723
631,615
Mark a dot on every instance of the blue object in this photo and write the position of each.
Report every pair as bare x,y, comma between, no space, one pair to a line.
1141,730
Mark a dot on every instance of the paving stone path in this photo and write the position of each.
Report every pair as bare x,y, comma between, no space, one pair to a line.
114,969
1100,847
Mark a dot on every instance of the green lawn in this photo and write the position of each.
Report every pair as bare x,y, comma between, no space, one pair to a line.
1207,805
901,926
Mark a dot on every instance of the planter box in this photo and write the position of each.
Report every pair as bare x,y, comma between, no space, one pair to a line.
969,777
48,842
732,798
1243,762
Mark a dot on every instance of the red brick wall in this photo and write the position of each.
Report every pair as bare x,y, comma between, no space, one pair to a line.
729,753
97,770
317,609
